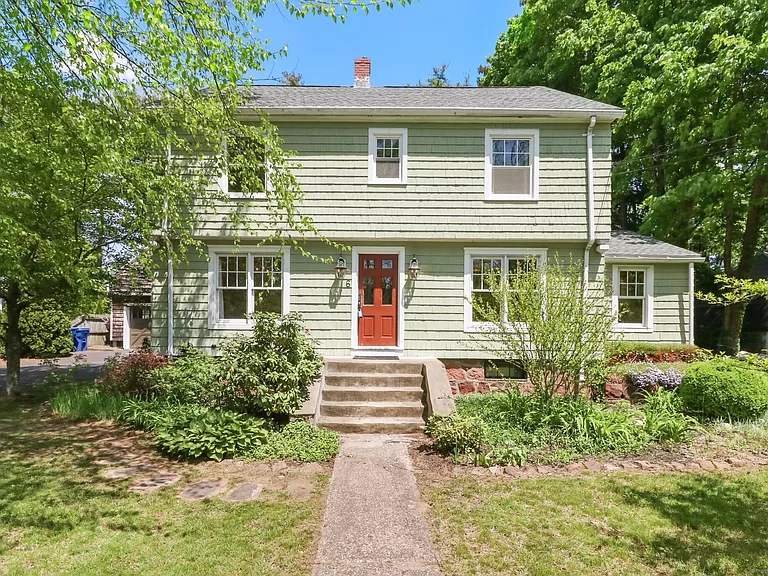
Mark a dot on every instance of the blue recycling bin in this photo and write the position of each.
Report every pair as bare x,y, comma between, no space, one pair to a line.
80,339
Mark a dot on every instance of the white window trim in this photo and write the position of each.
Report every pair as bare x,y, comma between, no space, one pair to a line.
533,134
223,182
214,252
647,326
373,134
469,254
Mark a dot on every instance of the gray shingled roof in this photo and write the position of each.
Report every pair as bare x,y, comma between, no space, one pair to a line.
633,246
524,99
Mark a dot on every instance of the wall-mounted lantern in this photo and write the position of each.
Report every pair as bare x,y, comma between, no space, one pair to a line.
341,267
413,267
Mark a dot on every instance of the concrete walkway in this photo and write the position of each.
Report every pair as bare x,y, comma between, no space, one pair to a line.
373,522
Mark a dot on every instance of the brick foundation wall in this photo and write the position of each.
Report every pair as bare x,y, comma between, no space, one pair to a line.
467,376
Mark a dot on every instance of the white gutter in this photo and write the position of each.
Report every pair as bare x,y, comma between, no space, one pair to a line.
690,303
590,202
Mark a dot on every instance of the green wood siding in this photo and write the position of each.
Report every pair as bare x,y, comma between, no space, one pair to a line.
434,302
671,317
444,197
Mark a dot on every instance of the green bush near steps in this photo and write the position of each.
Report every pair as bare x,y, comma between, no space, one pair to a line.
726,389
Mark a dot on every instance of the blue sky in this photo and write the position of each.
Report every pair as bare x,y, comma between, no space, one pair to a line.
403,43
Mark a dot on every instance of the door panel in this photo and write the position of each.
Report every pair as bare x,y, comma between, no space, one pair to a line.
378,300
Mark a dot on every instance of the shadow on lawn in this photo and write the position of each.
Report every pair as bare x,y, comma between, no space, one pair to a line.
721,522
48,480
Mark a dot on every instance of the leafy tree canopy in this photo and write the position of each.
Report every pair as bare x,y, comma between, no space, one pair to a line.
114,119
691,154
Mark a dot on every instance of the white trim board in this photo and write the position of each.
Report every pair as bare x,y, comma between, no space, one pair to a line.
647,325
214,251
533,135
373,135
469,253
398,350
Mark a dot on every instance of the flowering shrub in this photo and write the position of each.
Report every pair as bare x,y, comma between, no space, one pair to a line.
648,352
131,374
650,376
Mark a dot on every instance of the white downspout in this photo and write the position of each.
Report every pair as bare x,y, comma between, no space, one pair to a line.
169,274
590,202
690,303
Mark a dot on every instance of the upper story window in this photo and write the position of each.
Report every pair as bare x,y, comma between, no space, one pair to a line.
387,155
483,269
511,164
242,284
633,298
240,179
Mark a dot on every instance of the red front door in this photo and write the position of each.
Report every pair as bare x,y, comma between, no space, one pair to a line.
377,300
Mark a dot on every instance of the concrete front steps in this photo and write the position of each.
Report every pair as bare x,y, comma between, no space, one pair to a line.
372,397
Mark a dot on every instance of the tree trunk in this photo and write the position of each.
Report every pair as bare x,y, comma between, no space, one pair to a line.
13,342
733,319
734,314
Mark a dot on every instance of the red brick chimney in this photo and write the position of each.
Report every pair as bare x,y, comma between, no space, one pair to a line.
362,72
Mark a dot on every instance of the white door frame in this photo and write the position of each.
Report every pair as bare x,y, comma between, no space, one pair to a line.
126,327
355,348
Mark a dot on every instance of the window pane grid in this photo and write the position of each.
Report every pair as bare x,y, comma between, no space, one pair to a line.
510,152
388,149
485,268
249,284
631,297
232,272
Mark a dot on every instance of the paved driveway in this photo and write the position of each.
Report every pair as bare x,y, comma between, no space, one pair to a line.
89,364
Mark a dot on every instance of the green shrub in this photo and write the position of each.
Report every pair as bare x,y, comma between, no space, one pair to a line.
131,374
457,434
511,428
211,434
269,372
87,403
626,352
192,378
725,389
45,331
298,441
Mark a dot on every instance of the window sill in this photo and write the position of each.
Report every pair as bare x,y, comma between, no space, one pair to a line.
484,327
388,182
510,198
224,325
241,196
633,329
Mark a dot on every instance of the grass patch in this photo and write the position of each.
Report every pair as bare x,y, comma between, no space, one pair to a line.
58,516
87,403
298,441
629,525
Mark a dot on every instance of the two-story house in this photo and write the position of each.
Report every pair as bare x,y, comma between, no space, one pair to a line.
428,188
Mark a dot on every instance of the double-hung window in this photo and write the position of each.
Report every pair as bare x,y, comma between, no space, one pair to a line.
387,155
240,284
484,269
511,164
246,173
633,298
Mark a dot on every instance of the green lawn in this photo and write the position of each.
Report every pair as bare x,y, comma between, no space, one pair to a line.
610,525
58,516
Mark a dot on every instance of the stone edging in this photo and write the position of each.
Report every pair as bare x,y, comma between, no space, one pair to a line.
577,468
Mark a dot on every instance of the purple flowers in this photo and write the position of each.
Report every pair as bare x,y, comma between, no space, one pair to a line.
648,377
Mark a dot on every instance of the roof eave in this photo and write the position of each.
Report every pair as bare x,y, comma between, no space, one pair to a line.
621,259
605,115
